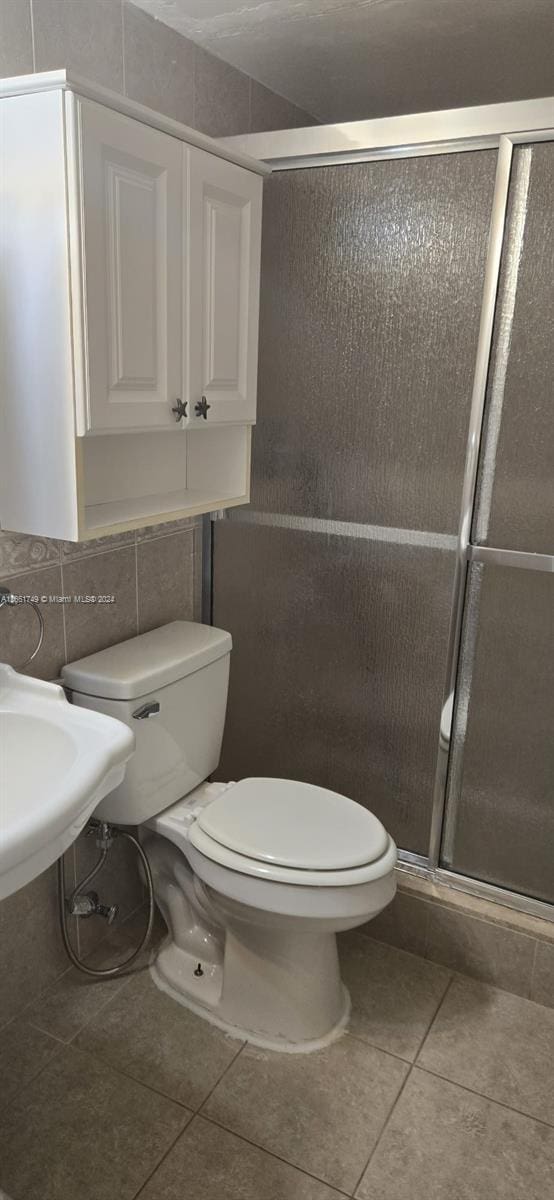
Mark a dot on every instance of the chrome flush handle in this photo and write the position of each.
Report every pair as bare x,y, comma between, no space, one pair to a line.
147,710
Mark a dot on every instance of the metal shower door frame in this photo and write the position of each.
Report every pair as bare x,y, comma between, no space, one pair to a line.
495,126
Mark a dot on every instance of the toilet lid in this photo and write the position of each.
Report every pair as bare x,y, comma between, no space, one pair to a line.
294,824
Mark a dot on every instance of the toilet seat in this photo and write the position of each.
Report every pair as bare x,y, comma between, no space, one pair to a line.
329,840
272,872
292,824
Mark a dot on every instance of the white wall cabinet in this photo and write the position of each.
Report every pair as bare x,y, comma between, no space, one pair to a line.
129,190
225,232
130,258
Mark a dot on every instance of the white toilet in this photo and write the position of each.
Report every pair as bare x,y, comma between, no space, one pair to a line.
253,878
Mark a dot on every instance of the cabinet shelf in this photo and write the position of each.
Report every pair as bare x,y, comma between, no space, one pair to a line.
117,515
138,479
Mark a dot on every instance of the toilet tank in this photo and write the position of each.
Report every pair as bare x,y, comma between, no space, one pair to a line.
170,687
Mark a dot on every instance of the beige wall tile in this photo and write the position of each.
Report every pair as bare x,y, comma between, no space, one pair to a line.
470,935
165,580
198,581
153,531
117,883
542,983
16,42
402,923
85,35
32,951
476,906
485,951
221,97
91,627
159,65
21,552
20,629
268,111
72,550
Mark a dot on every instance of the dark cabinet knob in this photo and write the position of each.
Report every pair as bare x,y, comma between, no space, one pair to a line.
201,408
180,409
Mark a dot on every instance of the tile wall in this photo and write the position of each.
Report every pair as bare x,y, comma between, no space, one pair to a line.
121,47
154,574
493,944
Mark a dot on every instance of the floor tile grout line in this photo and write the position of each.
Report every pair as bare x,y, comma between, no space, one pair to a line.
149,1087
56,1046
229,1065
38,1029
151,1174
25,1086
532,971
64,614
433,1018
195,1112
483,1096
384,1126
137,610
272,1153
435,1074
43,995
141,1083
393,1053
68,1042
356,1037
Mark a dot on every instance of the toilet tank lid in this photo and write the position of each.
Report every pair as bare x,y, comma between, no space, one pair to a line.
149,661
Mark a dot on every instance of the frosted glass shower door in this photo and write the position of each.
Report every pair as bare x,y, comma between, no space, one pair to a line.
500,812
500,805
336,582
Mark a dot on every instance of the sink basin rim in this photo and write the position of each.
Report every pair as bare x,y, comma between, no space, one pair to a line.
48,826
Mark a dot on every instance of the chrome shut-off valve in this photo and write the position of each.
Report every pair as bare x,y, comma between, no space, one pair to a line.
87,904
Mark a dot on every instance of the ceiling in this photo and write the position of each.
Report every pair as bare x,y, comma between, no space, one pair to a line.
345,60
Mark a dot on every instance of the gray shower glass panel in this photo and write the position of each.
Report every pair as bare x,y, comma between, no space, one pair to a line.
516,479
500,815
372,278
371,297
337,669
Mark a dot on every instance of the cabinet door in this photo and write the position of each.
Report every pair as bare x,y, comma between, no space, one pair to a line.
225,204
132,234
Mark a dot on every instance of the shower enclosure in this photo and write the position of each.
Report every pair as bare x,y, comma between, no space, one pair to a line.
389,588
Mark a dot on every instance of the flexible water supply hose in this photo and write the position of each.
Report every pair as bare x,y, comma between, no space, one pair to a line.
120,968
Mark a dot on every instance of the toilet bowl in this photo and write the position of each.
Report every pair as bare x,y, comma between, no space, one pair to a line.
254,878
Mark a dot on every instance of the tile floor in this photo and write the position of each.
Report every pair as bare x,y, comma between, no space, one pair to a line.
443,1089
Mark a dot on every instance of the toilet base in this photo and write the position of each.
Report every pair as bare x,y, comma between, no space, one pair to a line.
281,1008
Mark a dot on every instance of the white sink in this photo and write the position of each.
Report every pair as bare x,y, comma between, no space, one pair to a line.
57,762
